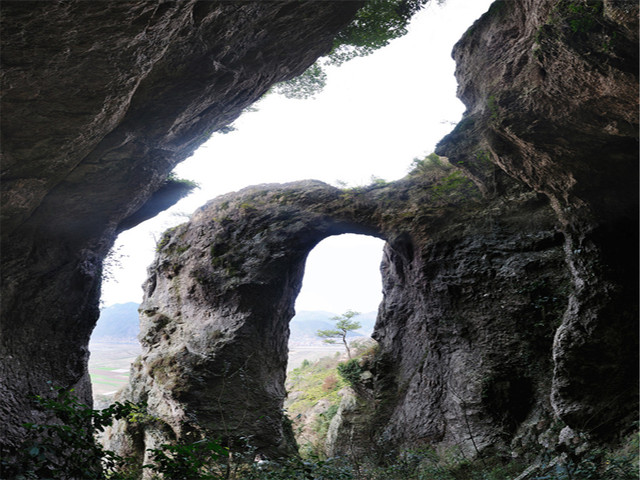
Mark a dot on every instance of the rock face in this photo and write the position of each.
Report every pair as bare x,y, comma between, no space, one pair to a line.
510,300
508,305
99,103
473,292
552,94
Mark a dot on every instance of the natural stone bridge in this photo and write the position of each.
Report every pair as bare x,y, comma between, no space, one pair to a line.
505,307
214,321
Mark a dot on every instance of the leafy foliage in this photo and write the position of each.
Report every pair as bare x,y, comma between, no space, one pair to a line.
190,462
304,86
66,448
174,179
594,464
350,371
344,325
374,26
581,16
432,165
448,184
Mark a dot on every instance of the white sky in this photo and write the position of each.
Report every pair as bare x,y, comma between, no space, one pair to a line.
375,116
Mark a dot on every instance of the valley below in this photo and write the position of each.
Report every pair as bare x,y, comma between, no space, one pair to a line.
110,363
114,345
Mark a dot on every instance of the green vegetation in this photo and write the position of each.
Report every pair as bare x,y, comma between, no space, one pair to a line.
581,15
311,82
453,185
448,184
175,180
311,385
316,384
582,24
66,449
166,237
344,325
430,166
190,461
350,371
378,182
374,26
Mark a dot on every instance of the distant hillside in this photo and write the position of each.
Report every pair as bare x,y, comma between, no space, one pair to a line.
306,323
117,323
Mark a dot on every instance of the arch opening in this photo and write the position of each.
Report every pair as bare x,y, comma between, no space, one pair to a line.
343,276
342,273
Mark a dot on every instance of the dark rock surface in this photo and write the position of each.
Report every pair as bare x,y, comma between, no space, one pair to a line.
552,95
99,102
509,302
473,292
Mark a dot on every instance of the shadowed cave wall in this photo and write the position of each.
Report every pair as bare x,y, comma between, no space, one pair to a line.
99,102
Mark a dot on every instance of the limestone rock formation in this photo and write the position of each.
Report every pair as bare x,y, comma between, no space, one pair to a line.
510,298
214,320
508,302
99,102
473,291
551,90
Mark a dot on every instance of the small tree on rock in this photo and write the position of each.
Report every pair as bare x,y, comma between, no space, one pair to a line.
344,325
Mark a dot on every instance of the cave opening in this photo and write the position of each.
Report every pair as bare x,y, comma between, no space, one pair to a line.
342,277
355,150
336,138
342,274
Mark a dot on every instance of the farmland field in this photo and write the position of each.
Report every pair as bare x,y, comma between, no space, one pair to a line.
109,364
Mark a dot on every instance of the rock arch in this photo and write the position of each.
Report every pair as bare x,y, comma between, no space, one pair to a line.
214,319
464,278
115,99
220,294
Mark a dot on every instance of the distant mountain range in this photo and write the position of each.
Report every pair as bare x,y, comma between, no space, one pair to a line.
119,323
306,323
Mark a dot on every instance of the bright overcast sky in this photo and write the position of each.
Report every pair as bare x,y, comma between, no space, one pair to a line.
375,116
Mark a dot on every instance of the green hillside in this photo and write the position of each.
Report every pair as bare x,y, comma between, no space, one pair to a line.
314,394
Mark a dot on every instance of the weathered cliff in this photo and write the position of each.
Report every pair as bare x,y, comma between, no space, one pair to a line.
509,307
552,94
99,103
510,302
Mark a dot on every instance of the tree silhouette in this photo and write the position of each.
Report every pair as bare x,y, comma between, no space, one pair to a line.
344,325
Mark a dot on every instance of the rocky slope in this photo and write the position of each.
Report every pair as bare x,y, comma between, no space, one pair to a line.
510,304
99,103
